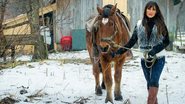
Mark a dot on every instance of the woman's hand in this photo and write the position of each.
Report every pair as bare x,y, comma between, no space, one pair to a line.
118,52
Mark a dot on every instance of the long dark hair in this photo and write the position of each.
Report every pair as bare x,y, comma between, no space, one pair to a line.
158,19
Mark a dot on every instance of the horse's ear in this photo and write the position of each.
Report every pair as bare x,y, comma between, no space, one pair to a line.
113,9
100,11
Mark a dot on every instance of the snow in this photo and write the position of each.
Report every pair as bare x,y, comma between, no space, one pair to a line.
54,81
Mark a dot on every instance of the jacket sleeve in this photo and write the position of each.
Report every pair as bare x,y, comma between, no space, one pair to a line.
130,43
132,40
158,48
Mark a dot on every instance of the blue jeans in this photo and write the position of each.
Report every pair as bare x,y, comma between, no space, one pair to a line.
152,75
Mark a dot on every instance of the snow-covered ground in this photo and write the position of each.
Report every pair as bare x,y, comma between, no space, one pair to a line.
57,82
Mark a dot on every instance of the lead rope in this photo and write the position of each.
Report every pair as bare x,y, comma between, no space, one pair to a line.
150,61
114,45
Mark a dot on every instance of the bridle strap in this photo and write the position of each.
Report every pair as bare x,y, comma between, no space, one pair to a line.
109,39
118,14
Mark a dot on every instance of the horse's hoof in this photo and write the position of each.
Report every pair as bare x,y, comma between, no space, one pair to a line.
109,100
98,91
118,98
103,85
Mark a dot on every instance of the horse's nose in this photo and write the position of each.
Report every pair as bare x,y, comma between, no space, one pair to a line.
105,49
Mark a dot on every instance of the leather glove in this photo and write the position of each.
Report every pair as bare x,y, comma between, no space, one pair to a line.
151,54
121,51
150,58
118,52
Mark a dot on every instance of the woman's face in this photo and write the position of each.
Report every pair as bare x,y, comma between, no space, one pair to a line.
150,12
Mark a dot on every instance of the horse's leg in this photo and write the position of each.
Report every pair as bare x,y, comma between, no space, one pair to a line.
95,65
102,84
96,73
106,69
117,79
96,68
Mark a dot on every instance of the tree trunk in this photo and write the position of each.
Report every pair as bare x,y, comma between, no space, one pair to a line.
40,51
2,37
177,19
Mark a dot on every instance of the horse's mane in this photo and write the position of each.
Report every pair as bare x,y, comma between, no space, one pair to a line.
126,20
106,10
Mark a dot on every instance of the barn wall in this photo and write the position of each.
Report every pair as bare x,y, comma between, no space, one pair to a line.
74,15
121,4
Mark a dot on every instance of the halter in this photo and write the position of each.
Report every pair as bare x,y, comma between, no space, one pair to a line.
108,39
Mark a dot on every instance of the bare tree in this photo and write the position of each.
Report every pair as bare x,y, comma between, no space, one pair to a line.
64,13
33,16
65,17
2,37
181,10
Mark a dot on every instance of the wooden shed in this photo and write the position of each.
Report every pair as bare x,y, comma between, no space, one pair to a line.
71,16
19,25
68,16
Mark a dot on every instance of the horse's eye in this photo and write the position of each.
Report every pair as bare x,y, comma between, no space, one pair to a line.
111,24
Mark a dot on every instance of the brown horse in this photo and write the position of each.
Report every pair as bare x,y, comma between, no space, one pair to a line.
110,29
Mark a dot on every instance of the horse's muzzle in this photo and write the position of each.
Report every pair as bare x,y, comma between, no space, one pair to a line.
105,49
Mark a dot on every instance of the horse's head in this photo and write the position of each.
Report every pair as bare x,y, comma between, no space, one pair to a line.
107,27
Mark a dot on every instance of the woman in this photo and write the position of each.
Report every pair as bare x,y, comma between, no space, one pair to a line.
152,36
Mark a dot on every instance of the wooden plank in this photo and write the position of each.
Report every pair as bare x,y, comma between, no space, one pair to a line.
181,47
13,40
23,19
16,25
